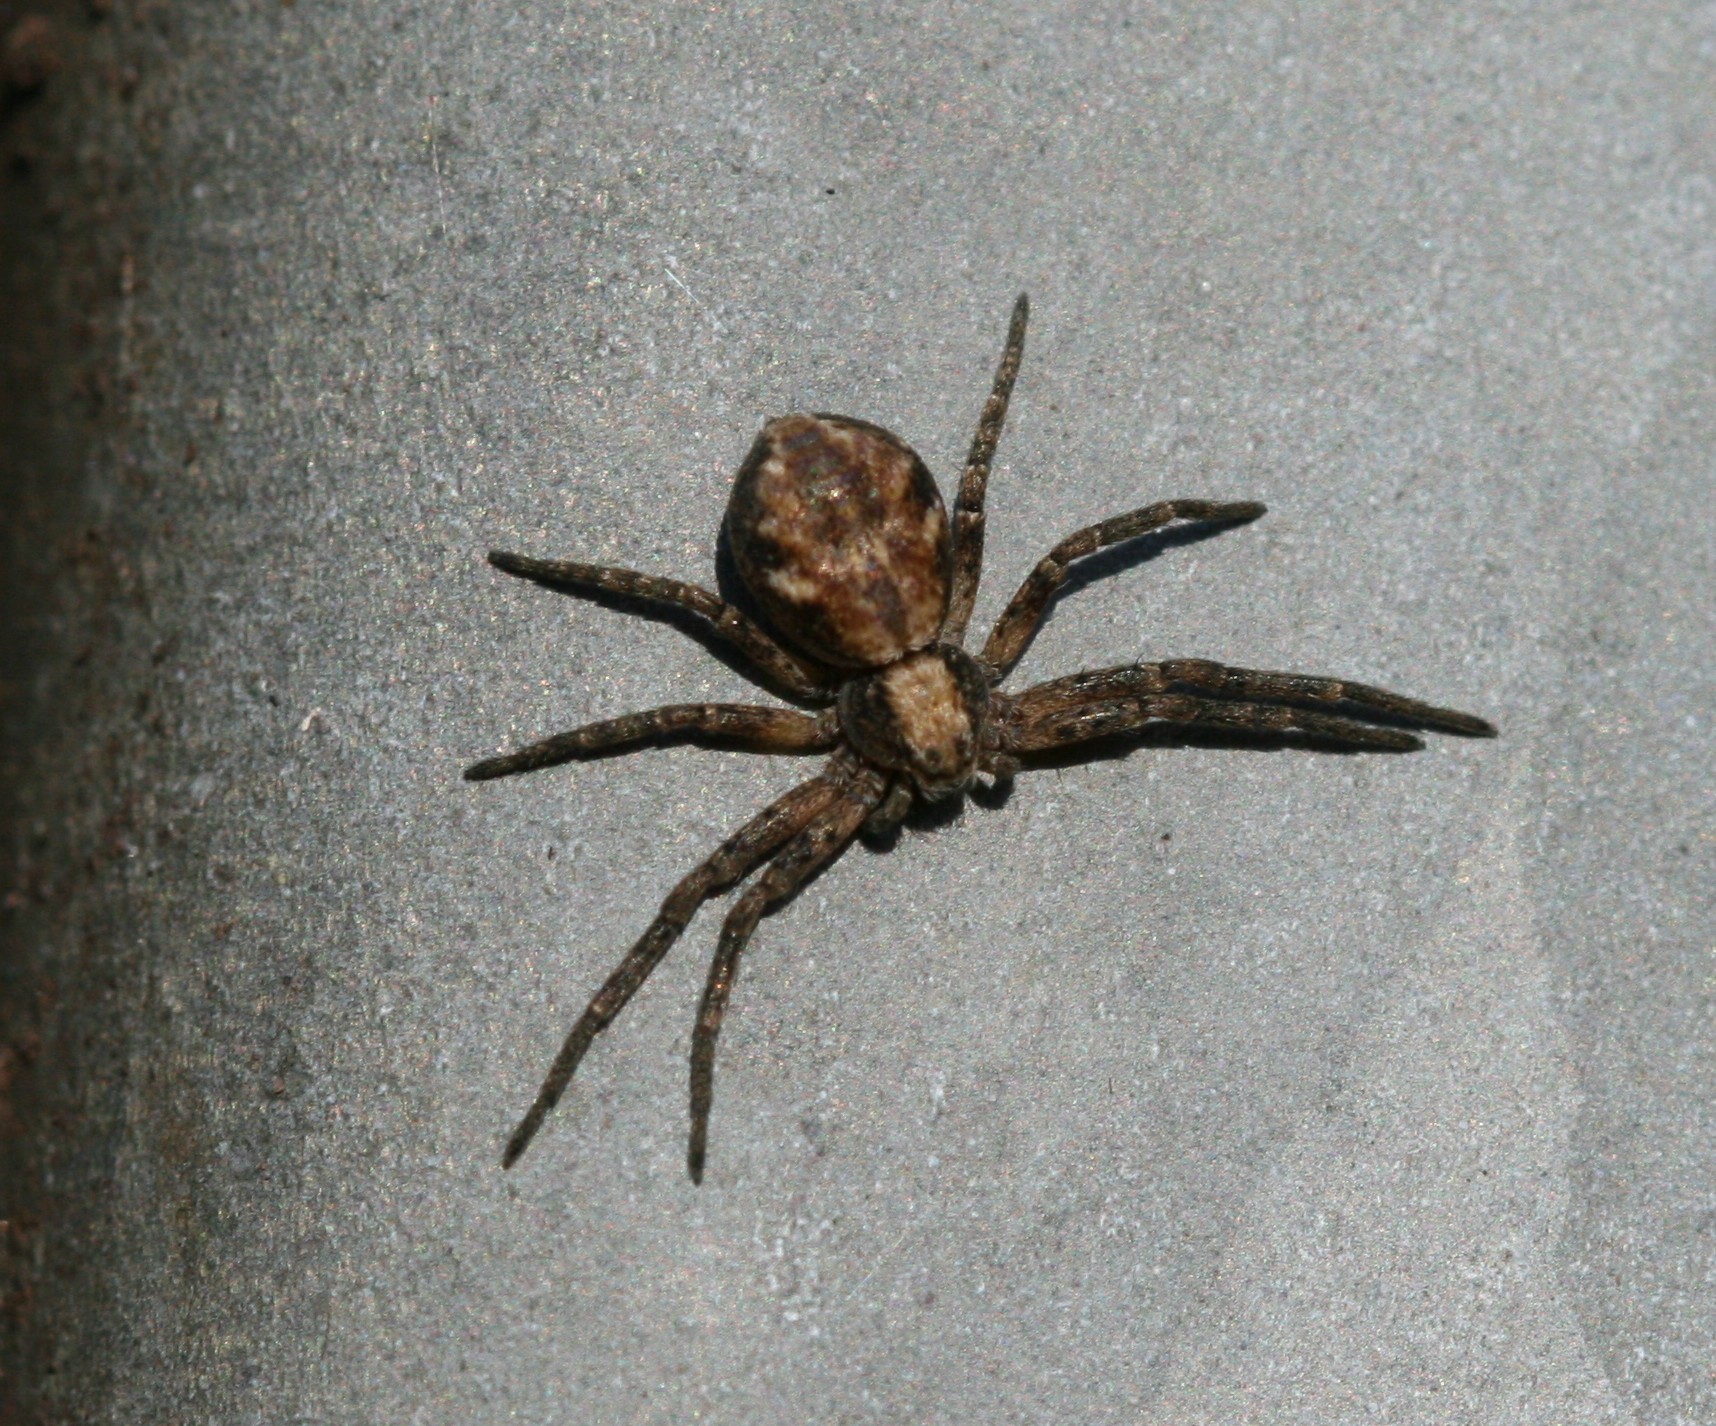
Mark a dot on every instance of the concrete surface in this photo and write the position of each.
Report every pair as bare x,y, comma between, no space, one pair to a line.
1204,1085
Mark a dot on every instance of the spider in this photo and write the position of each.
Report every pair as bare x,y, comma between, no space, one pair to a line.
840,537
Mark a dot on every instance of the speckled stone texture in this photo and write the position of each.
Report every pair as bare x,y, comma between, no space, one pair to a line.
1206,1084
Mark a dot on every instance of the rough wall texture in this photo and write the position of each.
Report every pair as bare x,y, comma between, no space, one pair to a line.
1202,1085
88,546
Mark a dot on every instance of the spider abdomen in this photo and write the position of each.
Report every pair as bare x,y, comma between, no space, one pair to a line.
839,533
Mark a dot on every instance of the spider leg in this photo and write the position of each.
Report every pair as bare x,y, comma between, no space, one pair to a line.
1060,727
568,577
808,852
1207,677
891,811
968,507
733,859
1203,677
764,730
1022,617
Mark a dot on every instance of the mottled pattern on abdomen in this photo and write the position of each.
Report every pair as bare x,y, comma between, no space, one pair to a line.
840,535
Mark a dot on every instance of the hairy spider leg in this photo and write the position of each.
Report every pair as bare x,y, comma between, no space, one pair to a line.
812,849
785,670
1024,613
974,484
1248,684
891,811
1065,726
732,860
738,725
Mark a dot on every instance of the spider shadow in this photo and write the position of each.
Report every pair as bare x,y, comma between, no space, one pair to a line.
928,816
1168,735
1128,554
995,795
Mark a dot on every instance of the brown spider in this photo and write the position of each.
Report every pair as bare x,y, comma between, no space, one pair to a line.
839,535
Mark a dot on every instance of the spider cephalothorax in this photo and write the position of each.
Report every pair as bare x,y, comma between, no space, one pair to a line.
840,537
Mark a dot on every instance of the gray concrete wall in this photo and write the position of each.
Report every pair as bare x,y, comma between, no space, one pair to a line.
1204,1085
